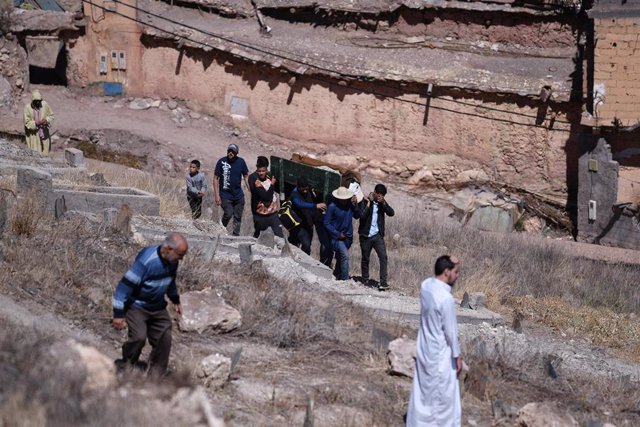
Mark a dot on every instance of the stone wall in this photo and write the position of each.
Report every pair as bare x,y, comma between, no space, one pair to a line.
617,70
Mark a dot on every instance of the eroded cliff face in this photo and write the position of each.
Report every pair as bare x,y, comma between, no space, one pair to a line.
14,71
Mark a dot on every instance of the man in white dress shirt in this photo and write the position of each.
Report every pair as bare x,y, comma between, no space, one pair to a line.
435,394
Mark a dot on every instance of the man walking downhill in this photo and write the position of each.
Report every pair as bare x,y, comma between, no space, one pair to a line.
339,223
264,200
227,185
139,301
371,230
196,188
435,394
38,117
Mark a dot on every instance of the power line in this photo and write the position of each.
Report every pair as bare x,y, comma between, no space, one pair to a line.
327,70
316,78
270,51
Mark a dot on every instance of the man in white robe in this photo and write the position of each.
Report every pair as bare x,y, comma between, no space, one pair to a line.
435,394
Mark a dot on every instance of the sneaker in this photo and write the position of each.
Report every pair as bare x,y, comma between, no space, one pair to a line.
383,286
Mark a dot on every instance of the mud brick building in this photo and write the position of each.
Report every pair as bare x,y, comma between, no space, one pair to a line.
427,93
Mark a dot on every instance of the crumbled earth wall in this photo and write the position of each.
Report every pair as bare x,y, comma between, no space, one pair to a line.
14,70
341,120
345,118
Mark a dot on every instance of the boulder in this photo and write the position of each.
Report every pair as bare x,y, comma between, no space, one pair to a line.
472,175
214,370
376,173
206,310
401,355
139,104
172,105
422,175
191,407
348,162
100,369
36,184
79,364
543,414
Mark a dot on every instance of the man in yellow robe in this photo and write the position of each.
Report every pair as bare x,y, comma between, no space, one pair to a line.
38,117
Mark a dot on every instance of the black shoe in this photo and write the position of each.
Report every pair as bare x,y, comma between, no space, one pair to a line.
371,283
383,286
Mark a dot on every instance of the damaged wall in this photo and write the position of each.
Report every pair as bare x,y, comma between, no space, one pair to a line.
378,134
349,121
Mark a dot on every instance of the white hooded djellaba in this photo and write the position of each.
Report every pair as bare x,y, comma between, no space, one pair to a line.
435,394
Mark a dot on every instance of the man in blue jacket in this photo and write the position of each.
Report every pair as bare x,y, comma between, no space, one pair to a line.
338,222
139,302
305,205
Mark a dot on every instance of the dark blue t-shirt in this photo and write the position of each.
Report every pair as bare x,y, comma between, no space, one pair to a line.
230,175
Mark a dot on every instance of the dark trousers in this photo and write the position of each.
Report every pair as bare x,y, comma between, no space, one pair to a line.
326,245
262,222
377,244
302,237
195,203
232,209
154,325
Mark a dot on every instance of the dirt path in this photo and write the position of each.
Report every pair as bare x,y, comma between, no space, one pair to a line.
204,137
207,138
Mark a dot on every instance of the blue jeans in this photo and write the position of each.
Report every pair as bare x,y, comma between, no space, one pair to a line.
341,247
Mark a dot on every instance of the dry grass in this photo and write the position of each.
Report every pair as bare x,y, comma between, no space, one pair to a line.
616,331
26,216
38,391
72,267
171,191
559,288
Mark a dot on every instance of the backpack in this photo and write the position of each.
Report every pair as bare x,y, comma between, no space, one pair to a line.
287,216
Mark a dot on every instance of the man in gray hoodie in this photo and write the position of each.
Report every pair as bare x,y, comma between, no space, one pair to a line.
196,188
